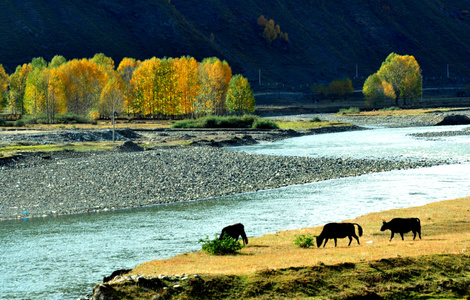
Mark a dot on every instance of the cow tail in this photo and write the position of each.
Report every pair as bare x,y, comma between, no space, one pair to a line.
359,228
419,221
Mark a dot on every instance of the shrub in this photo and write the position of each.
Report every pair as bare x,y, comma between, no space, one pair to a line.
19,123
315,120
72,119
3,123
246,121
225,246
304,240
265,124
351,110
390,108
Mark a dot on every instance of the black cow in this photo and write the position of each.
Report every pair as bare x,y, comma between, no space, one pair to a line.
235,231
116,273
338,231
403,225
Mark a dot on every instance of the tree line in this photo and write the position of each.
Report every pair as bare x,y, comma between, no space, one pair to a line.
153,88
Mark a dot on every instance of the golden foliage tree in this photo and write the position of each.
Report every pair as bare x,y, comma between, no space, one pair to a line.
188,84
17,89
83,84
214,76
3,86
340,88
125,69
403,74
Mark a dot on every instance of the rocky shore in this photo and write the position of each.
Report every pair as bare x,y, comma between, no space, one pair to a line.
38,184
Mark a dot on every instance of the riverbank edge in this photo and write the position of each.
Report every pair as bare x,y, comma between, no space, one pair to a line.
437,274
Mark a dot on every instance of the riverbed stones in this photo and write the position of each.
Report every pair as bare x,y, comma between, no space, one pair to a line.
116,180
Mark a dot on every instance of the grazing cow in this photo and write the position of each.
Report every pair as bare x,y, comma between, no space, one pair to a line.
116,273
403,225
338,231
235,231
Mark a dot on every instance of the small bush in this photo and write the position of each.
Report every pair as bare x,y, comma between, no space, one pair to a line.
3,123
304,240
265,124
315,120
390,108
19,123
351,110
225,246
72,119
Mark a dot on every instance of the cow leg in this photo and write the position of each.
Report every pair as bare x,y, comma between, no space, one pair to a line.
357,239
326,241
393,233
401,233
335,242
414,235
419,232
350,240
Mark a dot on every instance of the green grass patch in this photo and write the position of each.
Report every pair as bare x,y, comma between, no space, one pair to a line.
308,124
11,150
246,121
349,111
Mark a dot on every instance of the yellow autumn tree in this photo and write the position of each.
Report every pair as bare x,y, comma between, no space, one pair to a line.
125,69
112,99
3,87
54,101
188,84
341,87
403,74
17,86
143,87
83,84
214,76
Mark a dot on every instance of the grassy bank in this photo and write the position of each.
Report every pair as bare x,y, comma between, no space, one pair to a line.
272,266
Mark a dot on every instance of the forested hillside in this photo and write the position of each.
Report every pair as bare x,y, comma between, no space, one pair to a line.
312,41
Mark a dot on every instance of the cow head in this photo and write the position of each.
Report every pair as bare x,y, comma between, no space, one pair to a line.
384,226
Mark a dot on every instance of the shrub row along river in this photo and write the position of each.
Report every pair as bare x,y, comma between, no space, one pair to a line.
63,257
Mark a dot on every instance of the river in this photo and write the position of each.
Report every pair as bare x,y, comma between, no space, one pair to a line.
63,257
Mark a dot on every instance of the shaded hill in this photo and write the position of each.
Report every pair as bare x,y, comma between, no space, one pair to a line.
327,39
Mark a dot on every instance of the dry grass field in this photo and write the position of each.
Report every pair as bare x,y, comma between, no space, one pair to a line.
272,267
445,230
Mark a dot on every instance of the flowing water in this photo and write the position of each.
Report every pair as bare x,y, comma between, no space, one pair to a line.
63,257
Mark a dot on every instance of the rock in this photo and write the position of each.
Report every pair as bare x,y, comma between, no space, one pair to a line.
116,273
129,146
150,283
102,292
454,120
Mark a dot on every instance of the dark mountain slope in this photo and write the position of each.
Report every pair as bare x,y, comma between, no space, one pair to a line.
327,39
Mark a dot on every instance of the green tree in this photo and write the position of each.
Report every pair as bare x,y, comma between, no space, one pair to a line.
57,61
403,74
377,91
240,98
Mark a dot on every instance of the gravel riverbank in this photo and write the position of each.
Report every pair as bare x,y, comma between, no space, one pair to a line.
119,180
36,185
